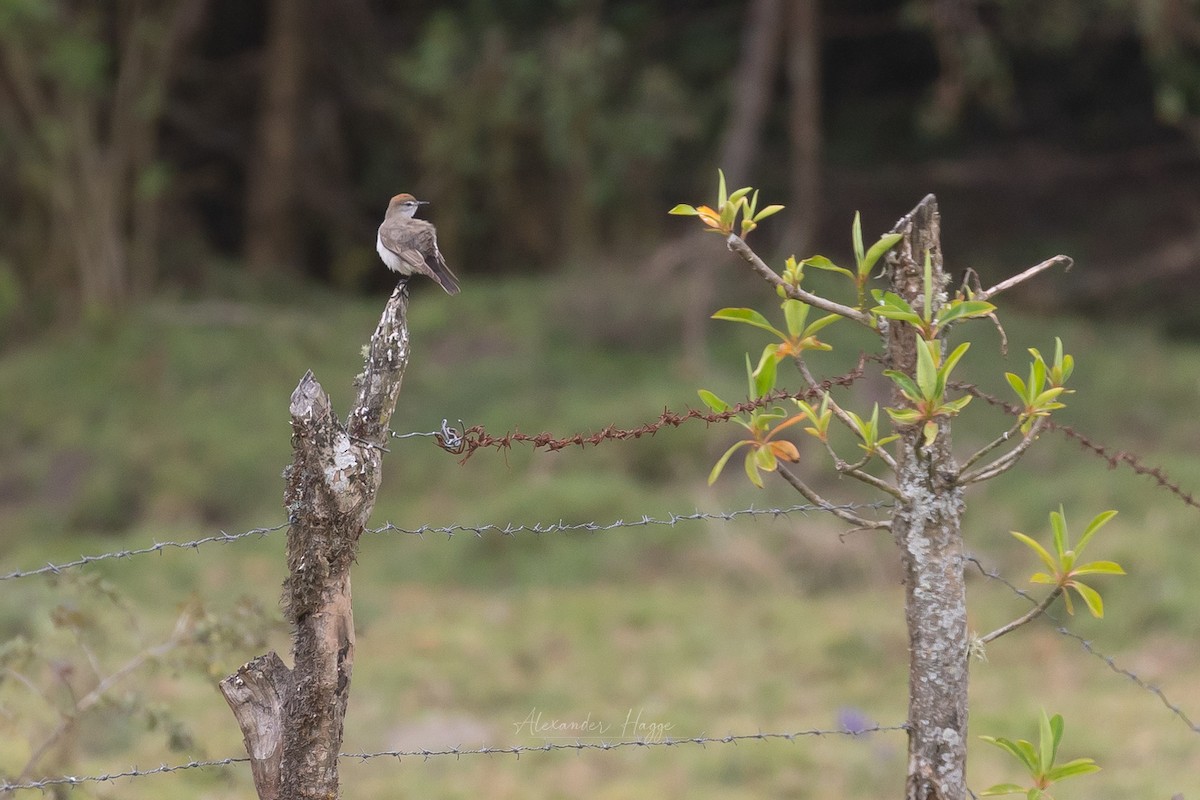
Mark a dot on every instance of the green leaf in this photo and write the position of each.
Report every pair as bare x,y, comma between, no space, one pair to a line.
720,188
714,403
796,314
904,416
1078,766
720,465
1018,386
750,317
1022,754
927,374
764,375
728,213
856,237
893,306
684,210
752,470
1099,521
1056,726
736,197
821,262
877,250
1090,597
948,364
956,405
823,322
1099,568
1048,738
928,286
765,459
1028,756
1058,521
768,211
1002,788
1042,553
906,385
930,432
963,309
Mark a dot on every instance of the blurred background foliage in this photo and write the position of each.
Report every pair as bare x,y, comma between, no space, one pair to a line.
142,144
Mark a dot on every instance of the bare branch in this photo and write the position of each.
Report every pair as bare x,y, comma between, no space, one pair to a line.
1005,462
838,511
1008,283
738,246
1033,614
989,447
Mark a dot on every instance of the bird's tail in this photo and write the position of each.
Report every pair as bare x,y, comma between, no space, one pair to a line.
442,273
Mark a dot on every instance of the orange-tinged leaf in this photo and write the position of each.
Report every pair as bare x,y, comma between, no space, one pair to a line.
786,451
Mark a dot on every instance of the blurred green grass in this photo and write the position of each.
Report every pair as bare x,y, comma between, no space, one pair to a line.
172,424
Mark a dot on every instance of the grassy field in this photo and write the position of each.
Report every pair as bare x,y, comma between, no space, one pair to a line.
172,424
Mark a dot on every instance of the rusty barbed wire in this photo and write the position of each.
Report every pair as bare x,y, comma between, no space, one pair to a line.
458,752
477,437
1062,630
1114,458
509,529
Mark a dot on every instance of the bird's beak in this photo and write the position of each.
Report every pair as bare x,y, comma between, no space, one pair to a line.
422,202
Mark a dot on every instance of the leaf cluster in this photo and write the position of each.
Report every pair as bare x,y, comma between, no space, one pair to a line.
1039,761
762,424
1063,565
723,218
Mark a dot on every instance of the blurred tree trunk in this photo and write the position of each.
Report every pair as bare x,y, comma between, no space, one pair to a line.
751,90
749,102
272,232
82,91
803,62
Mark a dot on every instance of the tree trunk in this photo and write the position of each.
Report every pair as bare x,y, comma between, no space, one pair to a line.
927,528
274,171
803,59
292,721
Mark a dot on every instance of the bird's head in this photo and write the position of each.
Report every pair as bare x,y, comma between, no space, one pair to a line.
405,205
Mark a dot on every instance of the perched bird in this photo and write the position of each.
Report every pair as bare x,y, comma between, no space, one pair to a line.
409,245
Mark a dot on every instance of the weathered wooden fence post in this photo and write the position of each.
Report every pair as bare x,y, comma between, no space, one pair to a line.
292,720
927,527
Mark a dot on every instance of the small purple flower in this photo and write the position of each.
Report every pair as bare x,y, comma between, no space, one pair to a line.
853,720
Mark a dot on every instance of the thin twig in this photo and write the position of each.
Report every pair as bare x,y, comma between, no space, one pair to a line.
1005,462
1008,283
1033,614
989,447
810,494
795,292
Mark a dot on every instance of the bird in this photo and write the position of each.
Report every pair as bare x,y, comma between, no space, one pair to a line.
409,245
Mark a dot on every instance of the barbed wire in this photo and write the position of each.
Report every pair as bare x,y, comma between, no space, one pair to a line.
157,547
1086,644
1114,458
458,752
477,437
509,529
644,521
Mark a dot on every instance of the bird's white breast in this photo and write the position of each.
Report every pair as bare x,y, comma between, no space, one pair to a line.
390,259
